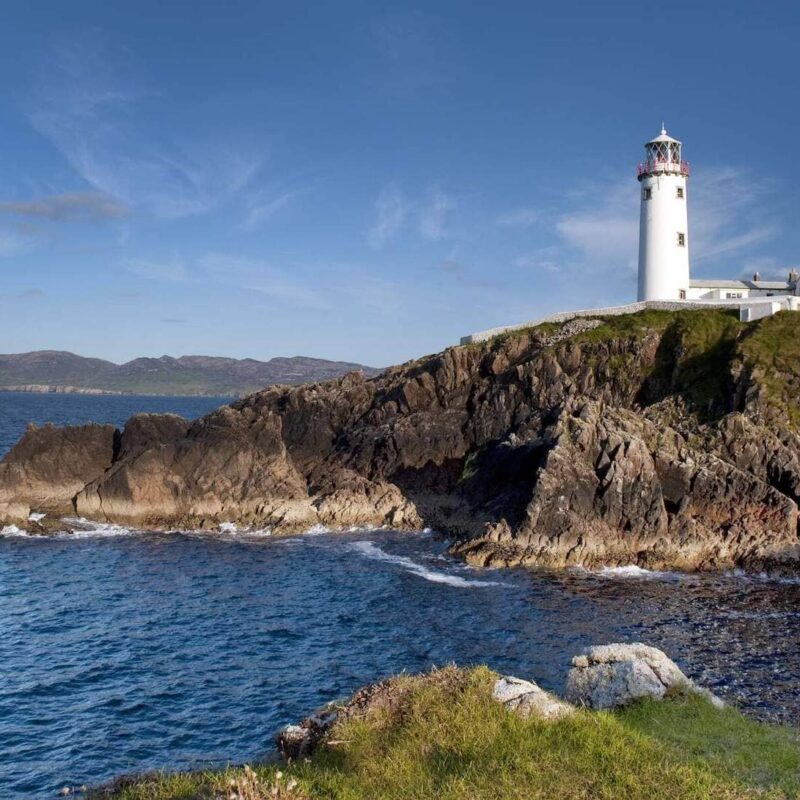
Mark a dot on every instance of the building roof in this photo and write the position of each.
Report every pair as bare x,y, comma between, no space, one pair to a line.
720,283
663,136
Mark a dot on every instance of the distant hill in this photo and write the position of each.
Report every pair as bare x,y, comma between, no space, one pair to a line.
57,371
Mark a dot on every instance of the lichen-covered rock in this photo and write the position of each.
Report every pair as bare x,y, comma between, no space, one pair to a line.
529,700
613,675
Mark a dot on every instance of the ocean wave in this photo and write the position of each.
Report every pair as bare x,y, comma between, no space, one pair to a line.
83,528
629,572
371,550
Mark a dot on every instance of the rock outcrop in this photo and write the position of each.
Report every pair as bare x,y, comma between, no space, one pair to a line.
660,439
614,675
50,465
529,700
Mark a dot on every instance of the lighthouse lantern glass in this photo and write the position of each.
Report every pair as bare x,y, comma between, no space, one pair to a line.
663,152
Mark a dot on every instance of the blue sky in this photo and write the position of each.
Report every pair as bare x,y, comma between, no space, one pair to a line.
369,181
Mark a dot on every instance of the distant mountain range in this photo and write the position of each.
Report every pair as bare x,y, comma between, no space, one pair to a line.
57,371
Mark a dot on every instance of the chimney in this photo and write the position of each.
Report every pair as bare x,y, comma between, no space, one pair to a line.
757,276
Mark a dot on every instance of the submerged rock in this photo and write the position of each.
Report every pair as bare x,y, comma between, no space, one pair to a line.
614,675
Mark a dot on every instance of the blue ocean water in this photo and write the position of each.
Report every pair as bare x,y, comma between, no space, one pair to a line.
125,651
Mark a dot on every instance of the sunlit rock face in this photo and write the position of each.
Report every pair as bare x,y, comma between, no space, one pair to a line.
659,440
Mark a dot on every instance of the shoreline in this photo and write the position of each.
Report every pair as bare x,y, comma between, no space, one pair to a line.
655,735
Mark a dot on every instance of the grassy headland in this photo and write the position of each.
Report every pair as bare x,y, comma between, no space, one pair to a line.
443,736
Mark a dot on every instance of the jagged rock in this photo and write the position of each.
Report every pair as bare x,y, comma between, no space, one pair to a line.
49,465
581,445
529,700
613,675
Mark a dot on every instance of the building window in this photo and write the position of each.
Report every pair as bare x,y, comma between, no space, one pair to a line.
647,194
682,294
681,240
679,192
733,295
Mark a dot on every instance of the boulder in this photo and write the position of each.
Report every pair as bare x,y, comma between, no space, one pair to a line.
49,465
614,675
527,699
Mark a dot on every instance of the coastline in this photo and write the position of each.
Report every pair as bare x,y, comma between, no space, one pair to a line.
472,733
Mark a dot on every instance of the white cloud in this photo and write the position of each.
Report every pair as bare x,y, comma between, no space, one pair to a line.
267,279
433,215
103,127
520,218
171,270
391,210
263,210
728,213
727,217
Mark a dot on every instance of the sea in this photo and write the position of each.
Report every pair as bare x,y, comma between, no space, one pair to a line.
126,651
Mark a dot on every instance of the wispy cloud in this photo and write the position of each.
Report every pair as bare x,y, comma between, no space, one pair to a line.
104,127
170,269
391,209
520,218
544,259
433,214
259,276
263,210
724,219
73,207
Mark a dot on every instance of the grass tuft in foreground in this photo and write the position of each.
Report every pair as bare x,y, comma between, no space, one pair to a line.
442,736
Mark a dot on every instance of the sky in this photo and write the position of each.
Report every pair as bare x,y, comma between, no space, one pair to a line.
369,181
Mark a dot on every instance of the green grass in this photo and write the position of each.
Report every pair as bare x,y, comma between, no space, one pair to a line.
442,736
772,349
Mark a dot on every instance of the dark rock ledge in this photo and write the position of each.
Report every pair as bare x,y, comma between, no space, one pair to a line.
666,440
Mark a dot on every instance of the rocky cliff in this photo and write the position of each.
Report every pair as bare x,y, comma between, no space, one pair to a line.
664,439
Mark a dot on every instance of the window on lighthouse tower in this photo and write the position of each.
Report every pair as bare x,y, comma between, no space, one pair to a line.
681,240
679,193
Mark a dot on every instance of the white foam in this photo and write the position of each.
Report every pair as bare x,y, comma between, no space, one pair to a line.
317,530
632,571
12,530
764,577
371,550
85,528
36,516
228,527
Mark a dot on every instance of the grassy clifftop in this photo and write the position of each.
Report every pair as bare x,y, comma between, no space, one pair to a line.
442,736
711,359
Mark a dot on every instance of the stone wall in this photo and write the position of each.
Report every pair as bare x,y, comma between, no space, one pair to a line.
611,311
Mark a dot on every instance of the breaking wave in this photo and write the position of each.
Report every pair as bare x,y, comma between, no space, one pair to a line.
631,571
371,550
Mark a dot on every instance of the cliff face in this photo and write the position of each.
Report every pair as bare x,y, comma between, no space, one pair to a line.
662,439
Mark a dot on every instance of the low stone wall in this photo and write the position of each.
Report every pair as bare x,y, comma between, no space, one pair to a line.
611,311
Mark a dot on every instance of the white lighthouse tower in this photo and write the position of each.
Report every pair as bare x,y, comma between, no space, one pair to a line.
663,224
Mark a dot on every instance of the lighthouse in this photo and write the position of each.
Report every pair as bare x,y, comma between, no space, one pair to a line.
663,221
